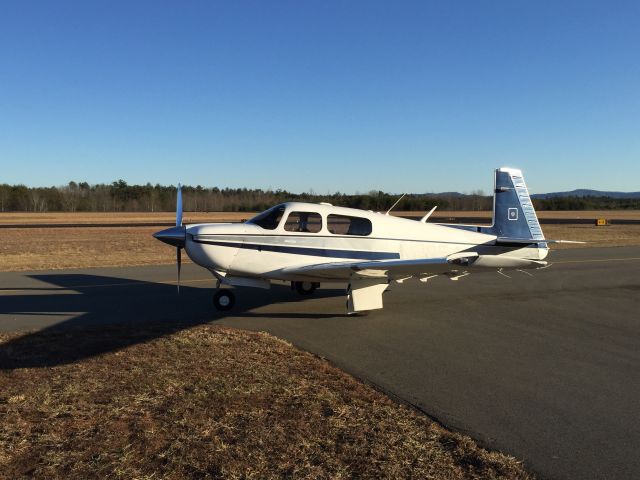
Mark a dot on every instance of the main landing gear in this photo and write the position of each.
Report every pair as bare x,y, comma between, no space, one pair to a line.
305,288
224,299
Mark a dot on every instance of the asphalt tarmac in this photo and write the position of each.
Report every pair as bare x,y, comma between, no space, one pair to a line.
544,367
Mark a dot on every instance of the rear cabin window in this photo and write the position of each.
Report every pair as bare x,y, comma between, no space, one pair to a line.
269,219
344,225
307,222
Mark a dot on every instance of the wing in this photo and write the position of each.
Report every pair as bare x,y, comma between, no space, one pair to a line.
383,268
454,263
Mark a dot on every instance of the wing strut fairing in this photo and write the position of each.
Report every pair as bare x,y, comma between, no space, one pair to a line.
365,293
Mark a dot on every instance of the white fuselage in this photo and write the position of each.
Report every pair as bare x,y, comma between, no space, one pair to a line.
249,250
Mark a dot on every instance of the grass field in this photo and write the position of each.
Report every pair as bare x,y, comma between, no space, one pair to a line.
196,217
211,402
57,248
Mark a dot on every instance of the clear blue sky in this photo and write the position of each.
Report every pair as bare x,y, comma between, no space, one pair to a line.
324,95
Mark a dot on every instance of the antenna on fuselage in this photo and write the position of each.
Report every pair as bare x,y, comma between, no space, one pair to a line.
397,202
426,217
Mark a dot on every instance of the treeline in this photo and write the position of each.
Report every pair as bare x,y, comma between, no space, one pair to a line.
587,203
120,196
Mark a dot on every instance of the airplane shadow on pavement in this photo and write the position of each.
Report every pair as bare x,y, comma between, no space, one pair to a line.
128,311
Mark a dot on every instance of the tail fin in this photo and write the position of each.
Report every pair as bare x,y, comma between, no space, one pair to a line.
513,213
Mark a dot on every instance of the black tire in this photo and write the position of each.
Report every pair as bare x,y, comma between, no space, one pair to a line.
224,300
305,288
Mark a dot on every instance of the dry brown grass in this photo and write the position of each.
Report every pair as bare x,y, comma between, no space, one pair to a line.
609,236
213,402
56,248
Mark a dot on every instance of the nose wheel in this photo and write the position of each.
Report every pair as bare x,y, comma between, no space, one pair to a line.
224,299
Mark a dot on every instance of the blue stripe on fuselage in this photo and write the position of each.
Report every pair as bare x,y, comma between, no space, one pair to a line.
315,252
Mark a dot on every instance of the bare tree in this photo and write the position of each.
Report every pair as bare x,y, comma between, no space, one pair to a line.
4,196
38,201
70,196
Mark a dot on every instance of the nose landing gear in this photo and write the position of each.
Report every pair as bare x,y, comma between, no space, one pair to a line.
224,299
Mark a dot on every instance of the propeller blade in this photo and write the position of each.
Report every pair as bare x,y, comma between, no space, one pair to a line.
179,260
179,207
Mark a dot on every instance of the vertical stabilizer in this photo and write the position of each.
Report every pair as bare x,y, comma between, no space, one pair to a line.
513,213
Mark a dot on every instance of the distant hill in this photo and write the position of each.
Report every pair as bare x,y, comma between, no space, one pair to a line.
585,192
446,194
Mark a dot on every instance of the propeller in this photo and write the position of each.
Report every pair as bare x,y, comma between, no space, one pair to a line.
175,236
179,260
179,224
179,207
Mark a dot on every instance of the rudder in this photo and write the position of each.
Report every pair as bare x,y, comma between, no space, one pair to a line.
513,212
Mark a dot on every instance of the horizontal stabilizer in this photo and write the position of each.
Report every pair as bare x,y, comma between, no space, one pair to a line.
528,241
563,241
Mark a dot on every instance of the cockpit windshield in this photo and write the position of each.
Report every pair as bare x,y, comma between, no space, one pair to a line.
269,219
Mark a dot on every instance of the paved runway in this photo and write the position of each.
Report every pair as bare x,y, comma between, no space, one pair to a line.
546,368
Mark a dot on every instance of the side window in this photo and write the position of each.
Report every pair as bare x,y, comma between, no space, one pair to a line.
269,219
344,225
303,222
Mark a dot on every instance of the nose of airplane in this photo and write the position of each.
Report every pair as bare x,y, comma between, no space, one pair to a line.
175,236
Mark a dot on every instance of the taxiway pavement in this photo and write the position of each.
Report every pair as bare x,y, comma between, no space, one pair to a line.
544,367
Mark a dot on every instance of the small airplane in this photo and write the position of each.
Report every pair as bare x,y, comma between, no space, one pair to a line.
308,244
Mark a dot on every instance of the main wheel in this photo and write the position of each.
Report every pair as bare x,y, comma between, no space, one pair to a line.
224,299
305,288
